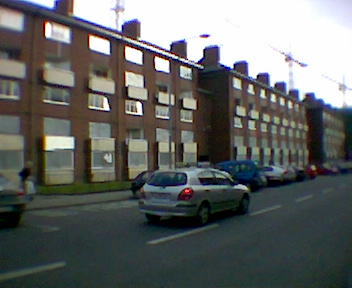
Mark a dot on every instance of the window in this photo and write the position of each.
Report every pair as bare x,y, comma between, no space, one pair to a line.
238,122
252,141
274,129
282,101
161,64
162,112
57,32
262,93
206,178
133,79
186,72
10,53
264,142
239,141
137,159
99,130
58,63
59,159
186,94
264,127
250,89
100,71
187,136
11,160
103,159
289,104
189,157
9,89
282,131
162,135
57,127
99,44
221,179
134,55
9,125
251,125
98,102
133,107
273,98
56,95
186,115
236,83
135,134
11,19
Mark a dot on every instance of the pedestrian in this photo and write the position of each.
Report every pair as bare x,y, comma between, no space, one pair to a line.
26,181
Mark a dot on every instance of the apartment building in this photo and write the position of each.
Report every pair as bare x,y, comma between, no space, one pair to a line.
327,134
86,103
266,124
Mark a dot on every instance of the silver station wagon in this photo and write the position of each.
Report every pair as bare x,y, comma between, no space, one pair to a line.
192,192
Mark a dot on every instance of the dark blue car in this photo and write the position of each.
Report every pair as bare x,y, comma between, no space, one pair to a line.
246,172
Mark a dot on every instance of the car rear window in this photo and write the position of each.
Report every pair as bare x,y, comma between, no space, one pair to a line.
165,179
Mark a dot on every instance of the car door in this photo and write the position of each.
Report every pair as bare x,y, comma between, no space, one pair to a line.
225,186
210,190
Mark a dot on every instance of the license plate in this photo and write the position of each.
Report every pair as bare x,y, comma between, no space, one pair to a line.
160,195
6,209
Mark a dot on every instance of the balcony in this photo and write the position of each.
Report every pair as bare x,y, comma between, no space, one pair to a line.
163,98
59,77
189,103
103,85
12,68
137,93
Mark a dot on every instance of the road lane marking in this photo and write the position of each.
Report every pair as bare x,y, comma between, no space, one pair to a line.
327,190
181,235
304,198
265,210
47,228
33,270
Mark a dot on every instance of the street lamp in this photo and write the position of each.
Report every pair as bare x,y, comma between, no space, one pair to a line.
170,88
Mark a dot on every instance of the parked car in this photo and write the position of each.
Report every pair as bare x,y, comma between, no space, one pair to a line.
290,174
138,182
192,192
13,202
311,171
246,172
327,169
301,174
274,174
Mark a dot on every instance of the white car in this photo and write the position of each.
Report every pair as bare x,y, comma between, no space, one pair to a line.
192,192
274,174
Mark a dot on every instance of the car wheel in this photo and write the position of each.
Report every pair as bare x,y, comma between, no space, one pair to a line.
13,219
152,218
244,205
203,214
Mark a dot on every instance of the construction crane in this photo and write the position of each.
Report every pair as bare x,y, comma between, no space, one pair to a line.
290,60
341,86
119,9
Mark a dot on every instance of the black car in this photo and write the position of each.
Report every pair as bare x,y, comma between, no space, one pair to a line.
138,182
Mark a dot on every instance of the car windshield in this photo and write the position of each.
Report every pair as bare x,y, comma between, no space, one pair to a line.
164,179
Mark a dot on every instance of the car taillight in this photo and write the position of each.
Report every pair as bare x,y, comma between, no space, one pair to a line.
186,194
20,193
142,193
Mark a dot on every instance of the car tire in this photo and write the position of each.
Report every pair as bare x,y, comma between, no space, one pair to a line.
13,219
203,214
243,208
152,218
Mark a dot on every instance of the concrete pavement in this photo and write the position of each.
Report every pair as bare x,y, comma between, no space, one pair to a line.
58,201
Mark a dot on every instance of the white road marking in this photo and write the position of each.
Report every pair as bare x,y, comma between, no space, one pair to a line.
33,270
181,235
265,210
327,190
47,228
304,198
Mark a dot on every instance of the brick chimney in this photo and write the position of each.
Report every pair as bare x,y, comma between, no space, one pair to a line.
132,29
211,56
281,86
241,67
64,7
294,94
264,78
179,48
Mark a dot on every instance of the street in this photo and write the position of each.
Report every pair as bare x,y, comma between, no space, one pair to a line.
296,235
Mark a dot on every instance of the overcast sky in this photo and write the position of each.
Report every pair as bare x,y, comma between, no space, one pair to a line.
317,32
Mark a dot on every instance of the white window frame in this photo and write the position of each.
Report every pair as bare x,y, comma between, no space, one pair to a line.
57,32
96,98
274,129
47,97
11,19
134,55
264,127
250,89
186,72
273,98
133,107
262,93
282,101
161,64
162,112
186,116
252,125
99,44
237,122
10,86
237,83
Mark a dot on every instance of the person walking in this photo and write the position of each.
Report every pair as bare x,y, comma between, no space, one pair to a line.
26,181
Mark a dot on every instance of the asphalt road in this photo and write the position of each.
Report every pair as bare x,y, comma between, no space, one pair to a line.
297,235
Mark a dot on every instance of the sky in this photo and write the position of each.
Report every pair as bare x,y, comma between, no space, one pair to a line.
316,32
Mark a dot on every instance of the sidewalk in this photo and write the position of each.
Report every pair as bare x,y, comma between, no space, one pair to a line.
58,201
